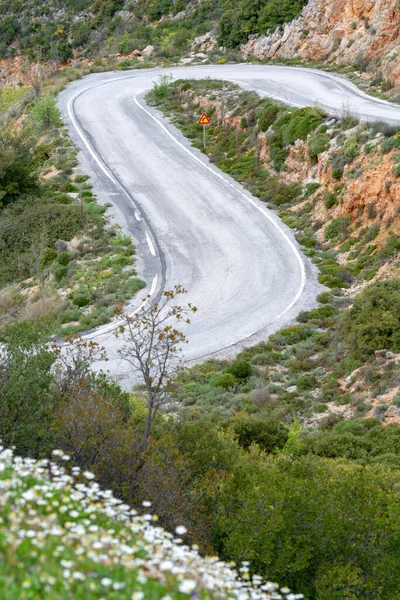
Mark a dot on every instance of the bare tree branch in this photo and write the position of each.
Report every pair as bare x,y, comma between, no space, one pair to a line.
153,348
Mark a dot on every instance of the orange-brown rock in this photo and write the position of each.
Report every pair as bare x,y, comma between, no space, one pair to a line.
339,31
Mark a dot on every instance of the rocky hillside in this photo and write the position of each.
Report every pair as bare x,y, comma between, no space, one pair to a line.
336,183
363,33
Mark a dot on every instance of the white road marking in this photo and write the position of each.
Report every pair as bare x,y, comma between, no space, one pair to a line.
150,245
89,147
153,285
114,325
260,208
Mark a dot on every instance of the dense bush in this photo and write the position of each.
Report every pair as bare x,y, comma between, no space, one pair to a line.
289,127
224,380
247,17
310,518
337,173
23,229
268,117
317,144
373,322
240,368
269,435
17,170
44,110
337,229
80,299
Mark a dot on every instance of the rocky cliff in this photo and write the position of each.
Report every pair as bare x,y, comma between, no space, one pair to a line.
365,33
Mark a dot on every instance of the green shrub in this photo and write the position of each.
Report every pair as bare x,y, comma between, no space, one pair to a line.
317,315
80,299
63,258
224,380
17,170
268,117
330,199
240,368
44,110
337,173
302,122
373,322
337,229
270,435
59,273
317,144
49,255
324,297
391,143
161,87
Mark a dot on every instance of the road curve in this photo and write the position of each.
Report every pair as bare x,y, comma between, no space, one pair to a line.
192,224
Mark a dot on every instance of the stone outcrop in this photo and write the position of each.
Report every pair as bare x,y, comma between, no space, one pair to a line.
356,32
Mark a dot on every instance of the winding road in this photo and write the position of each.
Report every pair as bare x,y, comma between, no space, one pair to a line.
192,224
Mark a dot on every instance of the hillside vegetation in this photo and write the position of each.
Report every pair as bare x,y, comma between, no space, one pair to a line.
58,30
341,359
285,461
62,537
61,264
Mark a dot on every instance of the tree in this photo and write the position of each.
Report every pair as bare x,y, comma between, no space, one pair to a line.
27,401
152,347
74,362
35,74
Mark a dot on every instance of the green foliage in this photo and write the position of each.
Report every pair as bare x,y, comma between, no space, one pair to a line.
240,368
337,173
373,322
317,144
63,258
391,143
80,299
161,87
306,517
10,95
246,17
17,170
26,401
44,110
269,435
279,193
289,127
224,380
337,229
268,117
21,230
330,199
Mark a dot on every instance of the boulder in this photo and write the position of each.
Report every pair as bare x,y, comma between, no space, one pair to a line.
148,51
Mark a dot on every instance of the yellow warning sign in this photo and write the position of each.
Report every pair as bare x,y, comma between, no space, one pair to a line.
204,120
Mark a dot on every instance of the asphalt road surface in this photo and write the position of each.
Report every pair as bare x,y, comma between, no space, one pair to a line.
192,224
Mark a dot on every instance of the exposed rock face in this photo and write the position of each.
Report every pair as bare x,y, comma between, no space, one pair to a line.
340,31
148,51
205,42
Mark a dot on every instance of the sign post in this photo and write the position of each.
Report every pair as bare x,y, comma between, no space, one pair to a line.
204,120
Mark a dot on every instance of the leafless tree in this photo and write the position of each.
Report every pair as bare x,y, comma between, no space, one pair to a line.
153,348
35,74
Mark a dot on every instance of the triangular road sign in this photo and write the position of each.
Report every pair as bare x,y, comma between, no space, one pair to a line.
204,120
